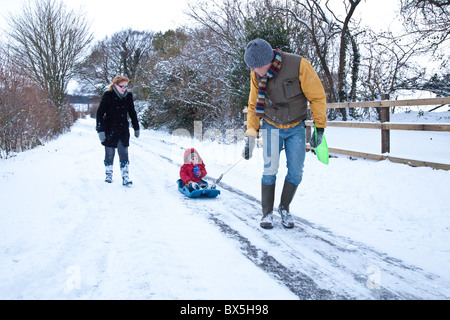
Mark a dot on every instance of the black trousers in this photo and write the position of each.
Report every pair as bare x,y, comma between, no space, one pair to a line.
121,150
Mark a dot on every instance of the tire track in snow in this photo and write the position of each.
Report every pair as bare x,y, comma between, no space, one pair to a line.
355,261
310,260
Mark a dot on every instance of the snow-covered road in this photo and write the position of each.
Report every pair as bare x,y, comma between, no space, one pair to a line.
66,234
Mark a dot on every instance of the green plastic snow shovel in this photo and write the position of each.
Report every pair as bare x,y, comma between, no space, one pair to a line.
322,149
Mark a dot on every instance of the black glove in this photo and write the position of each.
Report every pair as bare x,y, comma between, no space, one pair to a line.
102,136
312,142
137,133
249,146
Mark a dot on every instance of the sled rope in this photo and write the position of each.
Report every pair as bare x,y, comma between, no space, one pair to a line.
221,176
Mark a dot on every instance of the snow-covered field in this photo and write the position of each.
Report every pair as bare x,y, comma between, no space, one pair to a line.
364,229
432,146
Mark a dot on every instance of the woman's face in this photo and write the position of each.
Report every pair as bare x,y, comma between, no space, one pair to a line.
122,87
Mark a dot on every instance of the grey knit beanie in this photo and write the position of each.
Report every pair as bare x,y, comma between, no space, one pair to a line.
258,53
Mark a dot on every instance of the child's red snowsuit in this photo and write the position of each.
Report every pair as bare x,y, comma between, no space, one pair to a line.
187,169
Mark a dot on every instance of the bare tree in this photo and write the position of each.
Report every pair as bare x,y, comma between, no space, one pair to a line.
131,48
390,62
326,29
27,118
232,24
427,20
395,59
47,41
96,70
126,52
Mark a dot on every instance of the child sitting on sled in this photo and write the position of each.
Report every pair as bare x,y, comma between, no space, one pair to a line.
193,170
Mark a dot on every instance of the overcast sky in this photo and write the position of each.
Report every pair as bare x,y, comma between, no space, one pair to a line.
110,16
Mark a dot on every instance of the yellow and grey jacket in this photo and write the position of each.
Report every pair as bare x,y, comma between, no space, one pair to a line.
287,95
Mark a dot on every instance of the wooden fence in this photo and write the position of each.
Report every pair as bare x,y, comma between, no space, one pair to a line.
385,126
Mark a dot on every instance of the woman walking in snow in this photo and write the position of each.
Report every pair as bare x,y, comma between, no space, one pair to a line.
113,126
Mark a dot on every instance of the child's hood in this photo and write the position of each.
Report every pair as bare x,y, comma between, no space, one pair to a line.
189,153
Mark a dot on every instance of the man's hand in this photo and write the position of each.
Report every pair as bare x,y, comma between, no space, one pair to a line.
313,142
249,146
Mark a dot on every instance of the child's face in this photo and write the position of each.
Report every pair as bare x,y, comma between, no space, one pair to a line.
194,160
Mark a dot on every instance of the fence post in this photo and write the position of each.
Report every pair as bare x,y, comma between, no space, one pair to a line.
385,134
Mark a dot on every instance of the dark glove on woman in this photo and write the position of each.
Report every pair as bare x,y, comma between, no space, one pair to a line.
312,142
102,136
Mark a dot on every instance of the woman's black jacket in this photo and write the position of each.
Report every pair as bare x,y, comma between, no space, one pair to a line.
112,118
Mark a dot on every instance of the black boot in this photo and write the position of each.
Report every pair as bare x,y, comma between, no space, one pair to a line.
108,171
124,170
287,195
267,199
